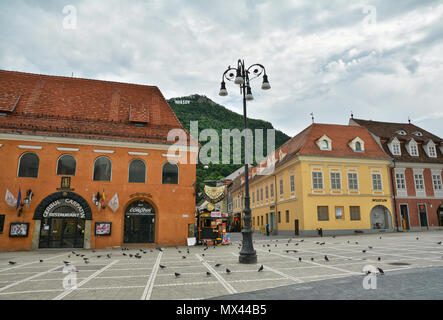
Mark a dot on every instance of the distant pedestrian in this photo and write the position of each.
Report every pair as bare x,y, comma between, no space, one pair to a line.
320,232
267,229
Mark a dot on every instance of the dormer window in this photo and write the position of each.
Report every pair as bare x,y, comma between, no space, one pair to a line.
324,143
418,134
430,149
394,147
401,132
413,149
357,145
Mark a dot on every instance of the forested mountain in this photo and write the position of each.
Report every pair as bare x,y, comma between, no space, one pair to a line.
212,115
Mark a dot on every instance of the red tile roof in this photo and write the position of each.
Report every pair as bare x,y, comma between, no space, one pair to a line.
387,131
305,142
75,107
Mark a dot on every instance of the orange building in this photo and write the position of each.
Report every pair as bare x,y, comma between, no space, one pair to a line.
87,164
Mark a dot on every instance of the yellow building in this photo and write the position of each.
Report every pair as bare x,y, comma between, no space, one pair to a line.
332,177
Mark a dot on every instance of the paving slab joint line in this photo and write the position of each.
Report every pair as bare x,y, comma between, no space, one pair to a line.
92,276
224,283
150,284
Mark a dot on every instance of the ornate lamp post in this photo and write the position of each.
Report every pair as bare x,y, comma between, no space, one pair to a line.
240,76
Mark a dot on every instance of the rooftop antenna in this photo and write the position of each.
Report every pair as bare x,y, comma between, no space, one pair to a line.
312,116
409,119
352,115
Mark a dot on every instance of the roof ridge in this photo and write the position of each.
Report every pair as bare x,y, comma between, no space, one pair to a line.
75,78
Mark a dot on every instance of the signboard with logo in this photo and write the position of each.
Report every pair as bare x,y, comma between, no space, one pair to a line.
64,208
140,208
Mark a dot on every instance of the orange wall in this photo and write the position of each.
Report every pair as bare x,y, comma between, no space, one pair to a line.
170,201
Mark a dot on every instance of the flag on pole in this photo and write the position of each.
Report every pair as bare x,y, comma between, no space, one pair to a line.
113,203
18,198
10,199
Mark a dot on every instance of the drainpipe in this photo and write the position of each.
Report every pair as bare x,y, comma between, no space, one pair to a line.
275,201
393,195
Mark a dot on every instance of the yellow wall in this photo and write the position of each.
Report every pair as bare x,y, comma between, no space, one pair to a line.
302,204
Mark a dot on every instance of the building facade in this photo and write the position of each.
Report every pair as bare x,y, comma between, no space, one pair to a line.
87,164
416,172
331,177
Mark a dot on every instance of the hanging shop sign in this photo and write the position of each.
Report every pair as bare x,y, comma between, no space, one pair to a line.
64,208
140,208
214,194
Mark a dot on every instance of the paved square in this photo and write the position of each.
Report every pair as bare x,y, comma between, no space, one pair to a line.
152,277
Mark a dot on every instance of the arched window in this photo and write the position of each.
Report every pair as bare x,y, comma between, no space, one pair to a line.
28,165
325,145
170,173
102,169
66,165
137,171
357,146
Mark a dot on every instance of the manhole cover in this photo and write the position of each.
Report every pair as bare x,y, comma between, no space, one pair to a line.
399,264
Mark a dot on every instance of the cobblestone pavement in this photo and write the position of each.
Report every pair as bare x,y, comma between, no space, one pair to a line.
122,277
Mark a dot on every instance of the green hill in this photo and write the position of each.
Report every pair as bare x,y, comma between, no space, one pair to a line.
212,115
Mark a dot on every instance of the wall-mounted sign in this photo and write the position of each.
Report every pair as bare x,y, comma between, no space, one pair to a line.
379,200
18,229
216,214
140,208
64,208
103,228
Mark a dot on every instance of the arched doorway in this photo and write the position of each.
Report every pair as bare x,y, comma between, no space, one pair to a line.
139,222
380,217
440,215
62,218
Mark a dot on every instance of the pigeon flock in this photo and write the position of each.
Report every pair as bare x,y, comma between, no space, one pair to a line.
137,253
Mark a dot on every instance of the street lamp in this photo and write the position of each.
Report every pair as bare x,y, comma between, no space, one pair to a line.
240,76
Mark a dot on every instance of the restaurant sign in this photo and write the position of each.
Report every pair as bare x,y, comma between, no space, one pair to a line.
64,208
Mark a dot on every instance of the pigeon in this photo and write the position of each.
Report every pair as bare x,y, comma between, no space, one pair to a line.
364,251
228,271
12,262
218,265
177,274
379,259
322,243
162,267
41,260
208,273
109,256
369,247
299,259
124,254
99,257
73,252
269,250
296,244
138,257
203,254
130,255
417,238
65,262
86,261
439,242
183,257
333,237
205,248
380,270
261,268
179,251
356,243
326,258
312,259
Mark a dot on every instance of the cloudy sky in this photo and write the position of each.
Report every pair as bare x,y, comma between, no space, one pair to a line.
382,60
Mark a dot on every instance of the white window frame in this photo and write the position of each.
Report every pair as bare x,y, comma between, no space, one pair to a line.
334,182
437,182
317,178
419,177
377,182
349,184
